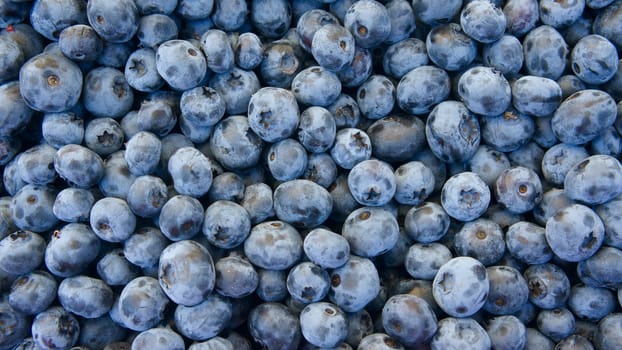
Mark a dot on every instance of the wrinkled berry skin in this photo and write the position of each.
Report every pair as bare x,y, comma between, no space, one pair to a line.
461,286
583,116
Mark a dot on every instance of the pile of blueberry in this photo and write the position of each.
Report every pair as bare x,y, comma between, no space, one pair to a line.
310,174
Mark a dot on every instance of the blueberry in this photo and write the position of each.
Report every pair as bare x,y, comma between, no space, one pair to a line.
465,196
36,165
32,293
147,195
483,21
484,91
536,96
481,239
142,153
452,121
272,285
559,160
370,231
426,223
402,18
422,88
449,293
572,240
181,64
234,144
10,65
280,64
351,146
273,245
602,269
147,7
423,260
396,137
460,333
369,22
204,320
574,341
21,252
14,113
608,332
535,340
50,83
273,113
326,248
141,72
55,328
258,202
226,224
508,290
154,29
218,51
170,144
309,213
404,56
117,177
558,15
414,183
595,180
203,106
186,272
372,182
316,86
507,332
549,286
143,248
591,303
354,284
115,22
50,17
31,208
609,142
504,55
449,47
80,43
307,283
158,338
359,70
556,324
545,52
235,277
85,296
594,59
323,324
115,54
96,333
112,219
434,13
273,325
526,242
104,136
310,22
191,172
333,47
216,343
519,189
528,156
609,214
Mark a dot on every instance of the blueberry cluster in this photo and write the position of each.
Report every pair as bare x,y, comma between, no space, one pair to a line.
310,174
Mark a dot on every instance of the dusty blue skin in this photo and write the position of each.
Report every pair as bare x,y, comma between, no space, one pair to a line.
65,258
181,217
481,239
359,70
35,165
460,333
80,43
115,269
602,269
274,325
345,111
158,338
354,284
536,339
488,163
147,195
11,63
591,303
560,15
507,332
609,142
32,293
302,203
434,13
50,83
608,331
147,7
273,113
79,166
186,272
280,65
549,287
112,219
315,318
594,59
202,105
226,224
234,145
98,332
422,261
426,223
14,113
556,324
116,21
508,290
258,202
610,215
146,293
55,328
309,23
595,180
49,18
449,48
351,146
272,285
369,22
536,96
307,283
286,160
483,21
545,52
376,97
450,286
117,178
85,296
575,123
144,247
235,277
484,91
140,71
218,51
414,183
216,343
248,51
396,138
404,56
527,242
333,47
326,248
316,86
204,320
370,231
155,29
452,132
465,196
142,153
382,341
409,319
422,88
575,233
505,55
229,15
181,64
262,249
519,189
271,18
317,129
21,252
104,136
31,208
191,172
559,159
372,182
